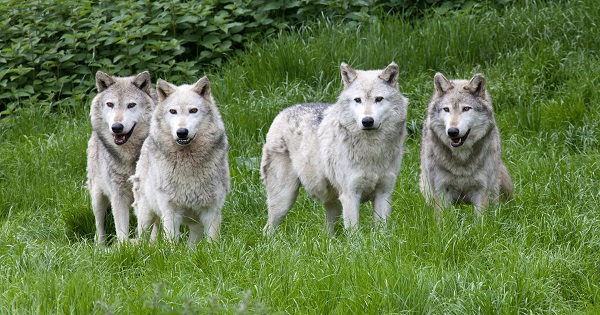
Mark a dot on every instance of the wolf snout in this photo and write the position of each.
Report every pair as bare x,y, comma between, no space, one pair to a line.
117,128
368,122
182,133
453,132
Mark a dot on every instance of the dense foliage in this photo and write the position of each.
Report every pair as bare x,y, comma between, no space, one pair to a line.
50,49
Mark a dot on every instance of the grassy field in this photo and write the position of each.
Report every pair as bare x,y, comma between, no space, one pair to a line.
537,254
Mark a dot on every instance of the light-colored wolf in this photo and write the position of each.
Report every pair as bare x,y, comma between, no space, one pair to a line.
343,154
120,115
460,149
182,176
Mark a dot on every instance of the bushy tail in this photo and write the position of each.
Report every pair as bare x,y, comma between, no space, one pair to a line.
506,185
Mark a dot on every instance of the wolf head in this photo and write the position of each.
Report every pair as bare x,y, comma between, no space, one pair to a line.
185,109
370,95
122,103
460,111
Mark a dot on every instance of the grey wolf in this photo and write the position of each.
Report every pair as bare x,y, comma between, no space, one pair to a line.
460,149
120,115
182,176
343,154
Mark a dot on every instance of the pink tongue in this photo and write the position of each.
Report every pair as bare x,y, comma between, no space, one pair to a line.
119,137
455,140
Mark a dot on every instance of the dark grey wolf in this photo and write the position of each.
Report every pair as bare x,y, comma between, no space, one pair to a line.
460,149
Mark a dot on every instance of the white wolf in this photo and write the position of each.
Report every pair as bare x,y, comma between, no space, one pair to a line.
460,149
343,154
120,115
182,176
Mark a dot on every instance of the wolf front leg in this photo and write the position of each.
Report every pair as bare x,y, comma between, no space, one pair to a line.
442,199
481,201
120,207
333,211
382,205
100,205
211,222
350,208
171,223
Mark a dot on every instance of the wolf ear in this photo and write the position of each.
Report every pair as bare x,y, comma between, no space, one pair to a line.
441,84
348,74
390,74
143,82
103,81
164,89
477,85
202,87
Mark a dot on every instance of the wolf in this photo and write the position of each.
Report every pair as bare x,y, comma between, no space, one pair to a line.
343,154
120,115
182,176
460,148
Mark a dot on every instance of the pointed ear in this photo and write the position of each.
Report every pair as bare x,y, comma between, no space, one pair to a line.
348,74
202,87
143,82
477,85
103,81
441,84
390,74
164,89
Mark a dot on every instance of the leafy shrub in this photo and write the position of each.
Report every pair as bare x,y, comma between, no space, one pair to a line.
50,49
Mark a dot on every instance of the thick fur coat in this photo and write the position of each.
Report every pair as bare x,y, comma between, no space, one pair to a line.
343,154
182,176
120,115
460,149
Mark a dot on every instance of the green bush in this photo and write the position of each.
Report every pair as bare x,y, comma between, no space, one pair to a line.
50,49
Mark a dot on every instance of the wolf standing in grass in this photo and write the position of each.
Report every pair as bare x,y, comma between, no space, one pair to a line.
343,154
120,115
460,149
182,176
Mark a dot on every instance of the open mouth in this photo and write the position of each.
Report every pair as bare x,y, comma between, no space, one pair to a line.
121,139
184,141
458,141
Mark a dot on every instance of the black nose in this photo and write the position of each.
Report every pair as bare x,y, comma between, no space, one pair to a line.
453,132
182,133
117,127
368,121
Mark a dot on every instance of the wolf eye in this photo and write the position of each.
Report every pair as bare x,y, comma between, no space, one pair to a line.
446,109
466,109
131,105
110,104
172,111
358,100
378,99
193,110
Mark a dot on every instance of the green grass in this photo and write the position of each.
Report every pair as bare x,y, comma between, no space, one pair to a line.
536,254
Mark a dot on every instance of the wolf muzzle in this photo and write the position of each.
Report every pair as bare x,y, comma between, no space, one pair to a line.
119,137
457,141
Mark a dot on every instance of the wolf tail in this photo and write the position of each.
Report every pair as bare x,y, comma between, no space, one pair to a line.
506,185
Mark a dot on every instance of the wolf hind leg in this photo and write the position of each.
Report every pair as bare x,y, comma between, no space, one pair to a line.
100,203
282,185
